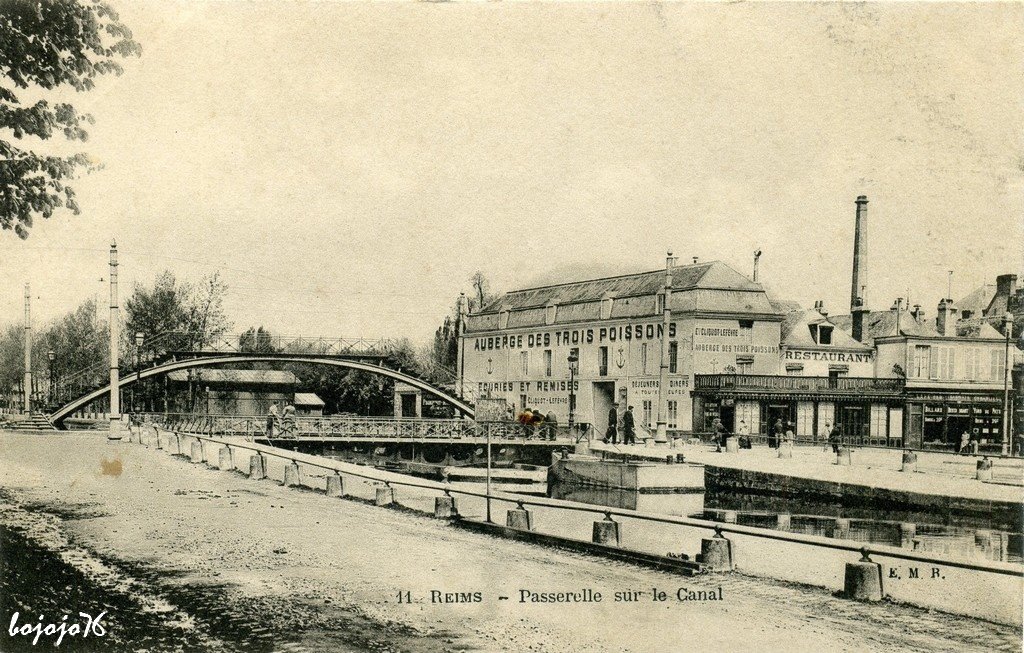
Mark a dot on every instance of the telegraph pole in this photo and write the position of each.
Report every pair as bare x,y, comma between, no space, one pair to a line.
661,433
115,389
27,390
460,326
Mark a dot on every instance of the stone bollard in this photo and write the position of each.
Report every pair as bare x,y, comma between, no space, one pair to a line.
730,517
984,469
786,450
519,518
159,440
256,468
605,531
335,486
784,522
292,477
385,496
445,507
673,443
670,459
224,461
680,458
863,579
177,445
196,453
732,445
909,462
716,553
843,457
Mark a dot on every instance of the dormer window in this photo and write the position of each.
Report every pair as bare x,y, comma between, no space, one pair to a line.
503,320
550,311
821,334
606,306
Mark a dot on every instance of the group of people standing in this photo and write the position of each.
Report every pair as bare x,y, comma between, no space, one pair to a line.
281,424
620,422
537,424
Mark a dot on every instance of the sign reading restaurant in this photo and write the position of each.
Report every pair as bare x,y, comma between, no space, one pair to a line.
575,336
831,356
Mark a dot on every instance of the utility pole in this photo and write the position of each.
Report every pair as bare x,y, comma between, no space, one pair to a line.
460,326
1007,370
661,432
115,385
27,390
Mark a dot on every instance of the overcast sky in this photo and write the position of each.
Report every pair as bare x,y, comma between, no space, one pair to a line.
347,167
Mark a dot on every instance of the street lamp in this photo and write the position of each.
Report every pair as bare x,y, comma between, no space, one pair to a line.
50,355
1006,385
574,366
487,432
139,337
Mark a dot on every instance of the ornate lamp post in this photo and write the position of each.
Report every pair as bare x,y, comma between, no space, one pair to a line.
50,356
139,338
487,430
574,366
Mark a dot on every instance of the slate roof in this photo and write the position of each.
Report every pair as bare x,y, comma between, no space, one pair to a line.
712,286
241,377
881,324
797,332
978,300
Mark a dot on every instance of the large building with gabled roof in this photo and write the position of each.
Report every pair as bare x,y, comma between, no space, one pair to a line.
518,347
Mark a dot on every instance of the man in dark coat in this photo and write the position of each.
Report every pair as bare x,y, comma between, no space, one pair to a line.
833,438
628,427
612,434
775,433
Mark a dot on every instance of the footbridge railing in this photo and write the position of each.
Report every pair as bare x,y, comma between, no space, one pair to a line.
362,428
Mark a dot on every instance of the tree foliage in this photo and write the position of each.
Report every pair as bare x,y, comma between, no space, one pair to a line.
257,340
176,315
47,46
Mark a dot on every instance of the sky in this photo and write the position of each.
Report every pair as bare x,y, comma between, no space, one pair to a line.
347,167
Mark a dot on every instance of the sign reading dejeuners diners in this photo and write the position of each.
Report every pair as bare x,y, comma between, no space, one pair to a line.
571,337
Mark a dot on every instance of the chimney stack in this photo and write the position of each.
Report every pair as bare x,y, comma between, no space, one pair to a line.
916,313
858,303
1006,285
945,320
819,306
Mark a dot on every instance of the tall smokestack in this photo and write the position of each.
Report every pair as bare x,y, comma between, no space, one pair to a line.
858,303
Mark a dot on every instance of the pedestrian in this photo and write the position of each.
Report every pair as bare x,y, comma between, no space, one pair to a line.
744,435
628,427
719,434
833,438
551,424
288,422
524,418
965,442
826,428
789,436
775,433
273,418
612,433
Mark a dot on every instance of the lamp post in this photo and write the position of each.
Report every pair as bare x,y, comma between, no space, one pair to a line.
487,432
50,356
1006,385
574,366
139,338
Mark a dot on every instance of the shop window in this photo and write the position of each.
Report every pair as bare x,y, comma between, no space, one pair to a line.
922,361
524,362
673,356
602,361
547,362
648,410
673,414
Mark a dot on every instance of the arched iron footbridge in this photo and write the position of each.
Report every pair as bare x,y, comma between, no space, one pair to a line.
211,359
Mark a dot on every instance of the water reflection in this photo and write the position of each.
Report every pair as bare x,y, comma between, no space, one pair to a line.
954,535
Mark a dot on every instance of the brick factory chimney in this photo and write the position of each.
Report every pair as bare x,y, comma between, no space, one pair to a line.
858,303
945,320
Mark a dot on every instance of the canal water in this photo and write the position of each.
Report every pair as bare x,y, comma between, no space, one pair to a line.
953,535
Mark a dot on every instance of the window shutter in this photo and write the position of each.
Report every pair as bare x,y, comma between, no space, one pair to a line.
933,363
